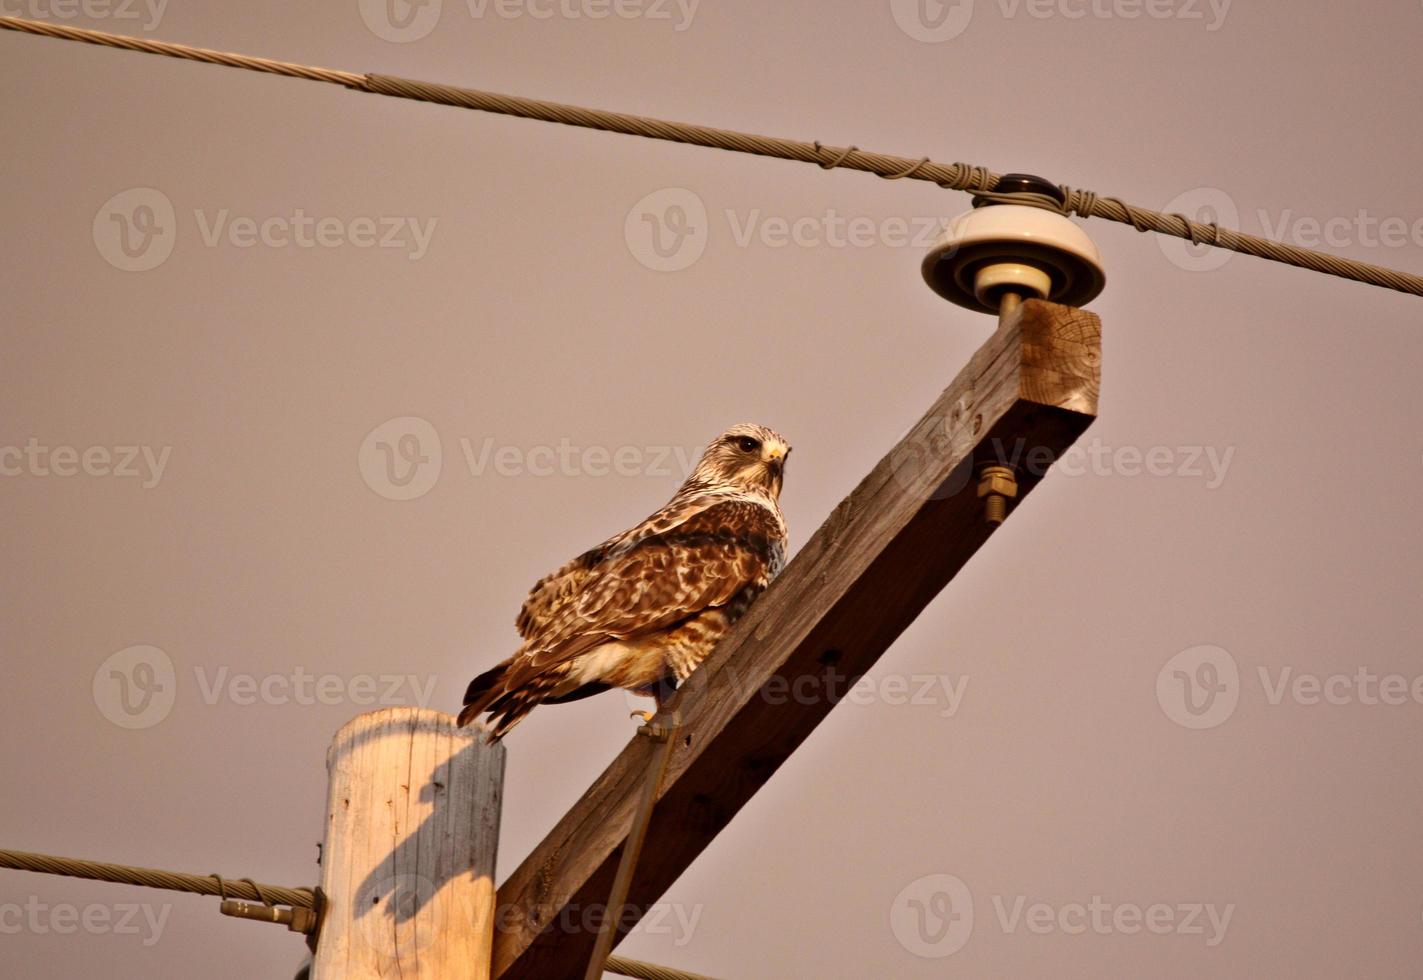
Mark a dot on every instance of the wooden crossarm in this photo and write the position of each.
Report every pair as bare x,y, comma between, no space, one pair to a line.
871,568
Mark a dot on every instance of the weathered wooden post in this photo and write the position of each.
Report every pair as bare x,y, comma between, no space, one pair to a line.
407,867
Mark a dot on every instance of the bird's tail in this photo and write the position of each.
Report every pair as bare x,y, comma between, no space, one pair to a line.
482,691
506,700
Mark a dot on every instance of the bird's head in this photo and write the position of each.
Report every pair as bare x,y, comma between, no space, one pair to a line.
746,455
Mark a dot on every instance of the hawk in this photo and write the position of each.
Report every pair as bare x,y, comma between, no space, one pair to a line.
644,608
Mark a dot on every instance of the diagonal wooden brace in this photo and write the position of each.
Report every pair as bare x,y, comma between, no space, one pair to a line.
869,570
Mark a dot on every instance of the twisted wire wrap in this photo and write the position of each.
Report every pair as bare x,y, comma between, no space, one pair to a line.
124,874
954,176
625,967
244,888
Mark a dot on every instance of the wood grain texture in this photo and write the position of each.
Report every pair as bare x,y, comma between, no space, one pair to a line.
407,867
882,554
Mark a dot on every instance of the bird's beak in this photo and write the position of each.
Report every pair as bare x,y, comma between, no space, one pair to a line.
776,460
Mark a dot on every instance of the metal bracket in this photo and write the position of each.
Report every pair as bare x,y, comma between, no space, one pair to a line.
296,919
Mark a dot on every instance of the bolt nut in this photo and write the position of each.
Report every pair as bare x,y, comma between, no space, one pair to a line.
997,480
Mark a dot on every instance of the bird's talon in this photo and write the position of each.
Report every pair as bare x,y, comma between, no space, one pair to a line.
643,716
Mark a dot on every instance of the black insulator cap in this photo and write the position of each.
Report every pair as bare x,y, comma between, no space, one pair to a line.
1023,183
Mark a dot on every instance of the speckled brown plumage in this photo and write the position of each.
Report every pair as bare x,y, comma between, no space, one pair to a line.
645,607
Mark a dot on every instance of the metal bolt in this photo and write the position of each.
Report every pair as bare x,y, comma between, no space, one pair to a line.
996,484
295,919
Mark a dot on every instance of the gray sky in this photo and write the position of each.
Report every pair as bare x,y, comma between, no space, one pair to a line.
1025,750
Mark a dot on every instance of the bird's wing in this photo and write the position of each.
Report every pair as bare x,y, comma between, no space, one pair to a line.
648,582
557,588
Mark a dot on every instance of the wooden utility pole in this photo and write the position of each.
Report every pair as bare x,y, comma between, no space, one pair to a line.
879,558
407,868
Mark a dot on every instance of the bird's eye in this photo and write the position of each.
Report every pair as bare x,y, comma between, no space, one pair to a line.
748,445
